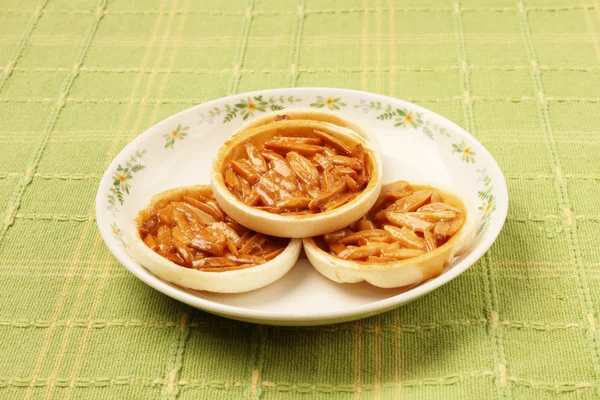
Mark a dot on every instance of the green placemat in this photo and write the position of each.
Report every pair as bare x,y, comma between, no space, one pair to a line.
80,79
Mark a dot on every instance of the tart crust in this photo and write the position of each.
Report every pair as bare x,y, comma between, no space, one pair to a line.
398,273
293,226
233,281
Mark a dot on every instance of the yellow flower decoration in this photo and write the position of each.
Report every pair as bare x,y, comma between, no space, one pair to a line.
468,155
178,133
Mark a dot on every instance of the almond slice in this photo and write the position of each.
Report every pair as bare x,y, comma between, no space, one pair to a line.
353,252
365,242
193,214
227,231
180,235
272,254
363,180
417,225
285,145
401,254
412,202
150,225
398,186
293,202
239,229
213,262
184,252
274,188
256,159
216,235
232,248
337,248
255,242
393,192
322,161
336,144
246,259
328,152
367,234
151,243
182,222
433,216
165,215
437,206
429,241
312,191
405,237
282,168
288,183
346,162
253,198
327,195
207,246
456,225
352,184
337,236
205,207
359,155
340,172
436,197
442,228
243,168
264,195
365,224
246,189
338,201
327,179
305,171
272,156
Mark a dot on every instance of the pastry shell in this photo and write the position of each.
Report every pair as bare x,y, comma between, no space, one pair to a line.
293,226
234,281
399,273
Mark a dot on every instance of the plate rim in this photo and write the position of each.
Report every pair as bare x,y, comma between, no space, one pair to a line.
322,317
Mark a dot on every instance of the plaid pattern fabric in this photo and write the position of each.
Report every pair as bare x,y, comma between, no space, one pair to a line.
80,79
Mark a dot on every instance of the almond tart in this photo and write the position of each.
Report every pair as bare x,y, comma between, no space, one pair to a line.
314,115
296,178
410,235
184,237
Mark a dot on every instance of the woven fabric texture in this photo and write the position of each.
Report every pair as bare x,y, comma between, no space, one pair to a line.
80,79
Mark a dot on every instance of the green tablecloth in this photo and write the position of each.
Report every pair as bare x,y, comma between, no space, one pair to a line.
80,79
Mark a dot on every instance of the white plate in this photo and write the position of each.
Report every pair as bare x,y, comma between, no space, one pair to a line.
417,145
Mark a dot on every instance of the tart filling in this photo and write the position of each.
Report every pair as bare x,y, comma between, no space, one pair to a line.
185,230
296,169
404,223
418,228
305,174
